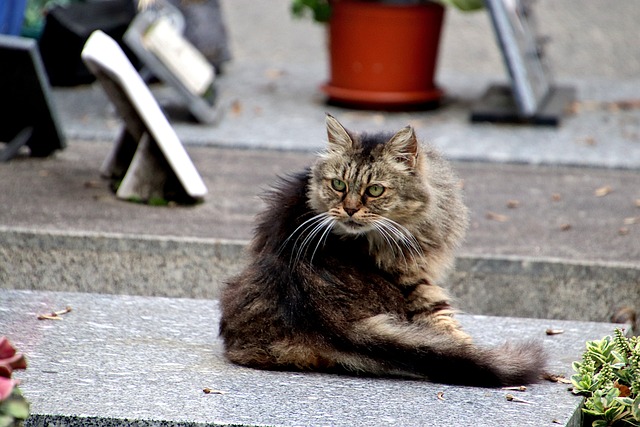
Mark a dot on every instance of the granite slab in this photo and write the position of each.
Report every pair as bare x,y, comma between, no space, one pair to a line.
142,361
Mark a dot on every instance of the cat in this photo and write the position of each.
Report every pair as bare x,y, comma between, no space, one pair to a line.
345,267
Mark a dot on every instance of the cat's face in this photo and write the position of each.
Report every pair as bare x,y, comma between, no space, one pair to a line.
368,183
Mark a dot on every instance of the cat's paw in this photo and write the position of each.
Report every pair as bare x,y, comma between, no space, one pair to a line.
444,321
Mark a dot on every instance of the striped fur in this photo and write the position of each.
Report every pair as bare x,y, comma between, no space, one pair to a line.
345,270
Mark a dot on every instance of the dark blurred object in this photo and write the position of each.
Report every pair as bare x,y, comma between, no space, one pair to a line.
66,30
628,316
27,116
205,29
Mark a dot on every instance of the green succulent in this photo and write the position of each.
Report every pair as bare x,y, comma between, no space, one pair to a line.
609,376
13,410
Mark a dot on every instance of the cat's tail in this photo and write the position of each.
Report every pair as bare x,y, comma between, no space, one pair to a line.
404,349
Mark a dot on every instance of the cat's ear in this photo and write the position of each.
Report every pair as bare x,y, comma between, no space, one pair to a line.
339,138
403,146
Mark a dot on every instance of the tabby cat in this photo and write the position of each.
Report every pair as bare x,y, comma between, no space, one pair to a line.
344,271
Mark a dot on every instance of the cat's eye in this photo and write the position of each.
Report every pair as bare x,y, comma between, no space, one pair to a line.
375,190
338,185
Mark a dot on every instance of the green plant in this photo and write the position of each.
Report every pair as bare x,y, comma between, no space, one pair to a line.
320,10
13,406
609,377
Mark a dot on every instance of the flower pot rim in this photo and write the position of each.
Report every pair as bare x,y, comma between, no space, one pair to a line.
381,98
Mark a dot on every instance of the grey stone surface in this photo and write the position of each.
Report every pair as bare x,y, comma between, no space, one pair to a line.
552,289
65,193
269,95
281,108
61,228
145,361
116,264
197,268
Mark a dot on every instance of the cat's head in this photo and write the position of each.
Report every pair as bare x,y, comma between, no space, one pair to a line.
365,181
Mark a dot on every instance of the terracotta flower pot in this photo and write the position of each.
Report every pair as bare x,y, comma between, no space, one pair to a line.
383,55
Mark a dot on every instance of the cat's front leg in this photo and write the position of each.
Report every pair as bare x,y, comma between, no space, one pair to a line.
429,305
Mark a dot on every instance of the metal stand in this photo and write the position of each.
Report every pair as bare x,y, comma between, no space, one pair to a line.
16,144
498,105
531,98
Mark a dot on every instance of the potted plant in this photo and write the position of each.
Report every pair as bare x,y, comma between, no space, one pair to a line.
383,53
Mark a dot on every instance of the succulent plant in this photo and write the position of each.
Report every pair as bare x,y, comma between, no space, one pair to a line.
609,376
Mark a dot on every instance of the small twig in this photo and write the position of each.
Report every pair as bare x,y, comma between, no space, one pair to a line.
512,398
516,388
54,315
48,317
556,378
207,390
554,331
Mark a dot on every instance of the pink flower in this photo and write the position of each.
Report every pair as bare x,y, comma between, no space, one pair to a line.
10,359
6,387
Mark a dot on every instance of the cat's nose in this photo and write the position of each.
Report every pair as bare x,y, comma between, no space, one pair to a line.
351,211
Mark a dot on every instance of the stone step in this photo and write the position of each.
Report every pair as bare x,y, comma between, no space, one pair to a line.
196,268
145,361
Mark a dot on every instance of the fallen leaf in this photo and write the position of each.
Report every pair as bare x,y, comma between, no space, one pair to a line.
513,204
565,227
554,331
603,191
497,217
556,378
274,73
624,390
440,395
589,140
236,108
632,220
628,104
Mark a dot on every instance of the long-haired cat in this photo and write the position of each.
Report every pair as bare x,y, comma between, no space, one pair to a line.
344,271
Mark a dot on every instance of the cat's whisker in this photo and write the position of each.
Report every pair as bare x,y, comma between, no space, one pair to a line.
301,228
381,228
328,223
324,223
403,235
312,234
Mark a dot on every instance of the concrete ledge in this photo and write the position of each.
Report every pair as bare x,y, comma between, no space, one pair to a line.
142,361
552,288
196,268
116,263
